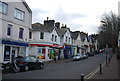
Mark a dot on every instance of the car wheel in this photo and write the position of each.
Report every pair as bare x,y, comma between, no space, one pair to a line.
41,66
26,68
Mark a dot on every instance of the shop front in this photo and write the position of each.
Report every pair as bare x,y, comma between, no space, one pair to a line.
58,51
11,49
67,51
44,50
39,50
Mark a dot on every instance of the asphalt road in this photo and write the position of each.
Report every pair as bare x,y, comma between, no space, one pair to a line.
70,70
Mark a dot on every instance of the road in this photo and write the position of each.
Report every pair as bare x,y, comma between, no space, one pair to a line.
70,70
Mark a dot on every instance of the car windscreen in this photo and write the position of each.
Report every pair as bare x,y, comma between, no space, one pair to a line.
20,59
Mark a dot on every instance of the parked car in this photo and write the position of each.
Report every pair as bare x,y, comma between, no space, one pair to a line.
96,52
77,57
91,53
101,50
27,63
85,56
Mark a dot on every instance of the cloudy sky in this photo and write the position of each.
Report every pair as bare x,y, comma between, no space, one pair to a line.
81,15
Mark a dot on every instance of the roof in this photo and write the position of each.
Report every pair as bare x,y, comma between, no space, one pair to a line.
41,27
62,31
26,5
75,34
83,36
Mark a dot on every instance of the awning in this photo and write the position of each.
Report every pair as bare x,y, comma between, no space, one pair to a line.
46,44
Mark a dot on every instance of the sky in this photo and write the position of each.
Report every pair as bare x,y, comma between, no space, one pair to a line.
78,15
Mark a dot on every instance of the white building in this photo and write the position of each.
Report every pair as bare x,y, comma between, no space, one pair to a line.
66,41
44,41
15,22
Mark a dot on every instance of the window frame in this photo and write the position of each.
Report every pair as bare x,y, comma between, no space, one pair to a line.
52,37
22,14
41,35
3,4
66,39
21,32
30,35
9,32
55,38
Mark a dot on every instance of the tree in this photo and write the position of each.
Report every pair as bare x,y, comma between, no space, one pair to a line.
108,30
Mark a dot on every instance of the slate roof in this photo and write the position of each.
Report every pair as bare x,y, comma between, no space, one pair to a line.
62,31
75,34
83,36
41,27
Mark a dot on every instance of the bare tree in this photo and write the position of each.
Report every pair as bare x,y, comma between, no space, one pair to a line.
108,30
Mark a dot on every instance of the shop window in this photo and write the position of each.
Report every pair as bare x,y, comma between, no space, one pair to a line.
7,53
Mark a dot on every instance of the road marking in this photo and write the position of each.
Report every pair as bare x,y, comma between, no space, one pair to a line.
93,72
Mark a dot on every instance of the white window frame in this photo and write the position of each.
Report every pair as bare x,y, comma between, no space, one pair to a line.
19,14
3,7
11,26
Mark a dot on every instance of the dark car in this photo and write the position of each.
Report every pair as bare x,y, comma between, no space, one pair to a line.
27,63
92,53
96,52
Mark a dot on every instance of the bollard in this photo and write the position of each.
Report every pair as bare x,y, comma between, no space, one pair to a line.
82,77
100,69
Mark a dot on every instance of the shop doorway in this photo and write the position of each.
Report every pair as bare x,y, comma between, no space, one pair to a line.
14,53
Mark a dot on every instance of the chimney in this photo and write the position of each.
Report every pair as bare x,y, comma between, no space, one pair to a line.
49,23
64,26
57,24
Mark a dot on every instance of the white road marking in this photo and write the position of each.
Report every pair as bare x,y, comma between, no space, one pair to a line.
93,72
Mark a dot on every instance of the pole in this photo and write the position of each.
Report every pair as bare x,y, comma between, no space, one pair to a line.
100,69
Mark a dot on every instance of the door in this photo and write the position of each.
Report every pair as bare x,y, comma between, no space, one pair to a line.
13,54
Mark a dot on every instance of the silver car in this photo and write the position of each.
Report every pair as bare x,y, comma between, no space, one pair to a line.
78,57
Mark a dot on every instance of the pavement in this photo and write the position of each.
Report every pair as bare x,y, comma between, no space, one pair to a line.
110,72
59,61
